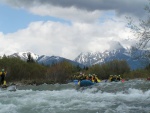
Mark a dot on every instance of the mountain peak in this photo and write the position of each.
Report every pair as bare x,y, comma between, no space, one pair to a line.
114,45
118,52
24,55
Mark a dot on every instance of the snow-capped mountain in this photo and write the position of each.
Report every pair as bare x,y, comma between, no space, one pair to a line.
91,58
24,55
135,59
45,60
49,60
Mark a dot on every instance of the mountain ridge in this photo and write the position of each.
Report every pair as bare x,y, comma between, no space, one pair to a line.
134,57
43,59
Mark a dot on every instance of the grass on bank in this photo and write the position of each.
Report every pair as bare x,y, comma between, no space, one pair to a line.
20,71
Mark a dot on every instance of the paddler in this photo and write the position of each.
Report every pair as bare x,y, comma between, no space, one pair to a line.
3,75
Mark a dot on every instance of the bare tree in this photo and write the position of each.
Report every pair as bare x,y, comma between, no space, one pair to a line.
142,29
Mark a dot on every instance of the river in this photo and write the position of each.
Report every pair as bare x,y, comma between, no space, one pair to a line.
131,96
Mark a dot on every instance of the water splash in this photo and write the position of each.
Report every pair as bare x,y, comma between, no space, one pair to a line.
129,97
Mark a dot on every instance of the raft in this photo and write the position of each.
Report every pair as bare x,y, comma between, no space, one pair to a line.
85,83
75,82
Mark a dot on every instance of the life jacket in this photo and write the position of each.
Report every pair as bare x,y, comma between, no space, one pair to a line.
98,80
3,74
110,79
94,79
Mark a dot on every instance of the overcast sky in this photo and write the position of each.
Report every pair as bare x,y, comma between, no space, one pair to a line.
66,27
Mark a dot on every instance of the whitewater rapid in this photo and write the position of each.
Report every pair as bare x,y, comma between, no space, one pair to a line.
131,96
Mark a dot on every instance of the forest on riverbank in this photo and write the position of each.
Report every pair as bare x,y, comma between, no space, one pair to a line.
30,72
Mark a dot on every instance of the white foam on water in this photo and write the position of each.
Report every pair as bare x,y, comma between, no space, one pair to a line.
90,100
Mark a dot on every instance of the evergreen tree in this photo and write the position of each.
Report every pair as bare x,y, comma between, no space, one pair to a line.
30,59
78,68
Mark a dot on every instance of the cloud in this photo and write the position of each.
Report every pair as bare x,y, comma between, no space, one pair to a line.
90,28
55,38
71,14
7,44
133,7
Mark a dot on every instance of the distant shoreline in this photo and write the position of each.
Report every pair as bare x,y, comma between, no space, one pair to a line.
29,82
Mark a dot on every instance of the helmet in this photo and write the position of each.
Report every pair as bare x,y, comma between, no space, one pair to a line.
2,70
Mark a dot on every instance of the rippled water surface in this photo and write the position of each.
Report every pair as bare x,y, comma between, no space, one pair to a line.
131,96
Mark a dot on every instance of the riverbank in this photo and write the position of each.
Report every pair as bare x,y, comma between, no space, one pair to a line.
40,82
